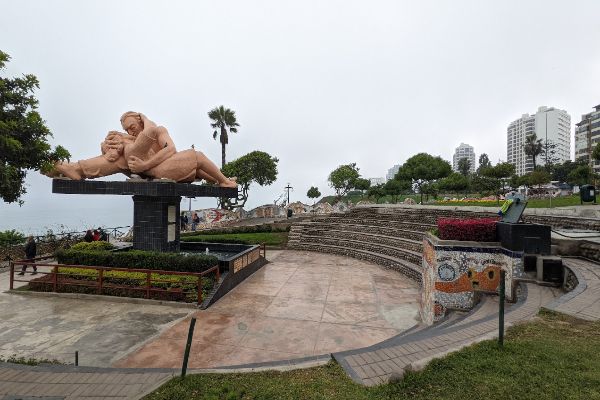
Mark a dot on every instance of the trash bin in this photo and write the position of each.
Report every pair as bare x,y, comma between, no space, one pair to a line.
289,213
587,193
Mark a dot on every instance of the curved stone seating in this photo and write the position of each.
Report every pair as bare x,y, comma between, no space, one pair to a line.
388,237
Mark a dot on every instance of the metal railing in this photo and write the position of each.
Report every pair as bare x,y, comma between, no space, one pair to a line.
101,281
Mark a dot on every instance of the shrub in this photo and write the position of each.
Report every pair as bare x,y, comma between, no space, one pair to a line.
138,259
11,237
241,229
476,230
70,280
98,245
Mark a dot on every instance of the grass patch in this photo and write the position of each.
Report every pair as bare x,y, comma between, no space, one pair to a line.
553,357
270,238
563,201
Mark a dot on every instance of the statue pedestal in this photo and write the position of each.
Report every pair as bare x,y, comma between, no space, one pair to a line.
156,212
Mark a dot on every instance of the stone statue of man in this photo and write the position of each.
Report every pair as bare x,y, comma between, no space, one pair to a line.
147,150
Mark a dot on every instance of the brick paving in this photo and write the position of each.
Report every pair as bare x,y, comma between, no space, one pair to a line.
66,382
584,301
376,364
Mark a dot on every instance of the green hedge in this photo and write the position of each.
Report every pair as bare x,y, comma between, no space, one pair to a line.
138,259
240,229
269,238
98,245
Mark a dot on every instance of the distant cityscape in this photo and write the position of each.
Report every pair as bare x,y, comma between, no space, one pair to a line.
549,124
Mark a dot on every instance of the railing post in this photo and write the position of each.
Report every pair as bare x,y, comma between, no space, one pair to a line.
218,274
502,290
199,290
12,274
148,284
55,279
188,346
100,280
76,358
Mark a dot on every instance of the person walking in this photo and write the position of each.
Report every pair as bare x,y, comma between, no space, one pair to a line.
30,253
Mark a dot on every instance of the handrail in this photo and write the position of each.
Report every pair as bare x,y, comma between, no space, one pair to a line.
100,283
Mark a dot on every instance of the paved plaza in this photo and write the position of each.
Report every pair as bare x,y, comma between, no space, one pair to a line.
50,327
300,304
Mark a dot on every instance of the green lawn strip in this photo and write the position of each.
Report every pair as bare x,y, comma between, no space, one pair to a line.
270,238
563,201
553,357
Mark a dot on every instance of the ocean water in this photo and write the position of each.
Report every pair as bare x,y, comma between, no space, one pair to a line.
44,210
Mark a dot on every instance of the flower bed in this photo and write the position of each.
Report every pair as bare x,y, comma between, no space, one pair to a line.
72,280
475,230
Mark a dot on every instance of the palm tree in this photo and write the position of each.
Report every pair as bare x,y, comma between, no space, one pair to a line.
533,147
223,119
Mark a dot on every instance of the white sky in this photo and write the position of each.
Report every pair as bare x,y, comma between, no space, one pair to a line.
315,83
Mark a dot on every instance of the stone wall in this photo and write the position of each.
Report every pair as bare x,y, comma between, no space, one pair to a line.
454,273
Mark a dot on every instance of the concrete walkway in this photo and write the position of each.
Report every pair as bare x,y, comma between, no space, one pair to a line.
584,301
64,382
377,364
53,328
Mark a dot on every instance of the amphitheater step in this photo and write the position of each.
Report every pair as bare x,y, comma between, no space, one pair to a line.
407,268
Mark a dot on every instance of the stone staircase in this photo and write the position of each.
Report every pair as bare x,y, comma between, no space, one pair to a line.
391,237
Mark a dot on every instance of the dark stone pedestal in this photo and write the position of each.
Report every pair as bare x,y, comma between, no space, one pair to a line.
156,223
155,206
528,238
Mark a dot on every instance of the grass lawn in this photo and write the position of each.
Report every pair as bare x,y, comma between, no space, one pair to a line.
553,357
270,238
531,203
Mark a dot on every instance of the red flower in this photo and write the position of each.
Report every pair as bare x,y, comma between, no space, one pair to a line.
476,230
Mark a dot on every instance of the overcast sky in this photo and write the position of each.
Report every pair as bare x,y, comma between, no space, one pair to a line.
315,83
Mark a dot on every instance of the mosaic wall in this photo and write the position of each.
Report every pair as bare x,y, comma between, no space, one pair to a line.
453,276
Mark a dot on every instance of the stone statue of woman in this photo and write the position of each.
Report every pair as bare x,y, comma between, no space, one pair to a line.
147,150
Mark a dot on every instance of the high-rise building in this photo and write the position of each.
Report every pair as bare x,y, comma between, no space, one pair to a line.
464,151
392,172
587,137
552,126
377,181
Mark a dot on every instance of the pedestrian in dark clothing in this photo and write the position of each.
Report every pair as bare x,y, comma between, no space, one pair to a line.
88,237
30,253
184,222
103,235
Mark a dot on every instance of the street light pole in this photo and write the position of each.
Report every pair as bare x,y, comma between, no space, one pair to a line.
288,187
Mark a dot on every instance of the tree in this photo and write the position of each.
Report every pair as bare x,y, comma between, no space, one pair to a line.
395,188
596,152
362,184
533,147
560,172
23,135
223,119
495,178
257,166
580,175
423,169
550,153
343,179
454,182
313,193
464,166
484,162
537,177
376,191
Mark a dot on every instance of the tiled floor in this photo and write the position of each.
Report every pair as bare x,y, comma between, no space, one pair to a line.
300,304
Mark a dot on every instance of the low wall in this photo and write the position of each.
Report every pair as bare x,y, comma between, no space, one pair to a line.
454,273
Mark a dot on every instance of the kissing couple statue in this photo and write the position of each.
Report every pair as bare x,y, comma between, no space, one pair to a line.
147,150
